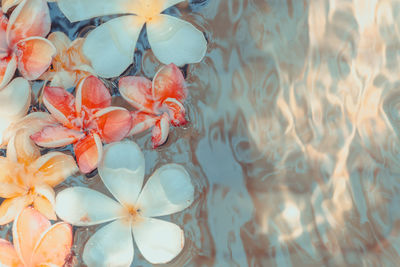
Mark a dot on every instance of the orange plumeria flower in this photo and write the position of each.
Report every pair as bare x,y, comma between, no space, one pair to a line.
69,64
27,178
36,242
22,44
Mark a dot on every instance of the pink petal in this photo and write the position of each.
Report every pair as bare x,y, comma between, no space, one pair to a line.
8,255
141,122
8,66
56,136
114,124
160,131
92,94
87,152
169,83
176,112
60,103
137,91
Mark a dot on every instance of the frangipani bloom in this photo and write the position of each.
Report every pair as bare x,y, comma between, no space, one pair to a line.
7,4
37,243
15,100
27,178
159,103
22,44
167,191
84,121
69,64
110,47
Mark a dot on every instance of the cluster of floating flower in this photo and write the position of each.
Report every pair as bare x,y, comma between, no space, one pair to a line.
87,120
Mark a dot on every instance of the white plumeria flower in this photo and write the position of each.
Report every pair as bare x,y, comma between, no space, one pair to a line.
110,47
15,100
168,190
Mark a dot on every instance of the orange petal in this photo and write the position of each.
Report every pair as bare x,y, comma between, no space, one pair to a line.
60,103
22,149
10,187
137,91
54,168
34,56
56,136
176,112
160,131
30,18
87,152
8,65
92,94
28,228
114,124
169,83
44,206
54,247
60,41
10,208
141,122
8,255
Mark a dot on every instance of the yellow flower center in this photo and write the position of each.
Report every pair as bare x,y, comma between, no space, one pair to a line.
149,10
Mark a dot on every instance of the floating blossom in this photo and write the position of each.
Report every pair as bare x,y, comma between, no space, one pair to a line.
7,4
84,121
159,103
22,44
168,190
36,242
15,100
69,64
27,178
110,46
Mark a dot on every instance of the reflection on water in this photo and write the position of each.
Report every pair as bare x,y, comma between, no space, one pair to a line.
293,144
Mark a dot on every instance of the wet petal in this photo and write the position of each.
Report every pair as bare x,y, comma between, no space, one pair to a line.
168,3
122,170
83,206
168,190
55,245
176,112
44,206
56,136
114,123
27,231
30,18
110,46
160,131
7,70
10,185
60,41
8,255
110,246
55,167
87,152
137,91
60,103
175,41
6,4
158,241
63,79
76,10
92,94
22,149
10,208
169,83
34,56
141,122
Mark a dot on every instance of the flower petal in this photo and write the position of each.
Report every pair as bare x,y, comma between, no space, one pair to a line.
6,4
92,94
10,183
44,206
169,83
168,190
158,241
29,18
137,91
34,56
110,46
55,167
160,131
10,208
54,246
8,255
175,41
60,103
176,112
168,3
27,231
76,10
22,149
7,70
56,136
111,246
87,152
114,123
122,171
60,41
83,206
141,122
62,79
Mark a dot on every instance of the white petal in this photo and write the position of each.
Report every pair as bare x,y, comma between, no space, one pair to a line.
122,170
168,3
158,241
76,10
111,246
110,47
175,41
167,191
83,206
